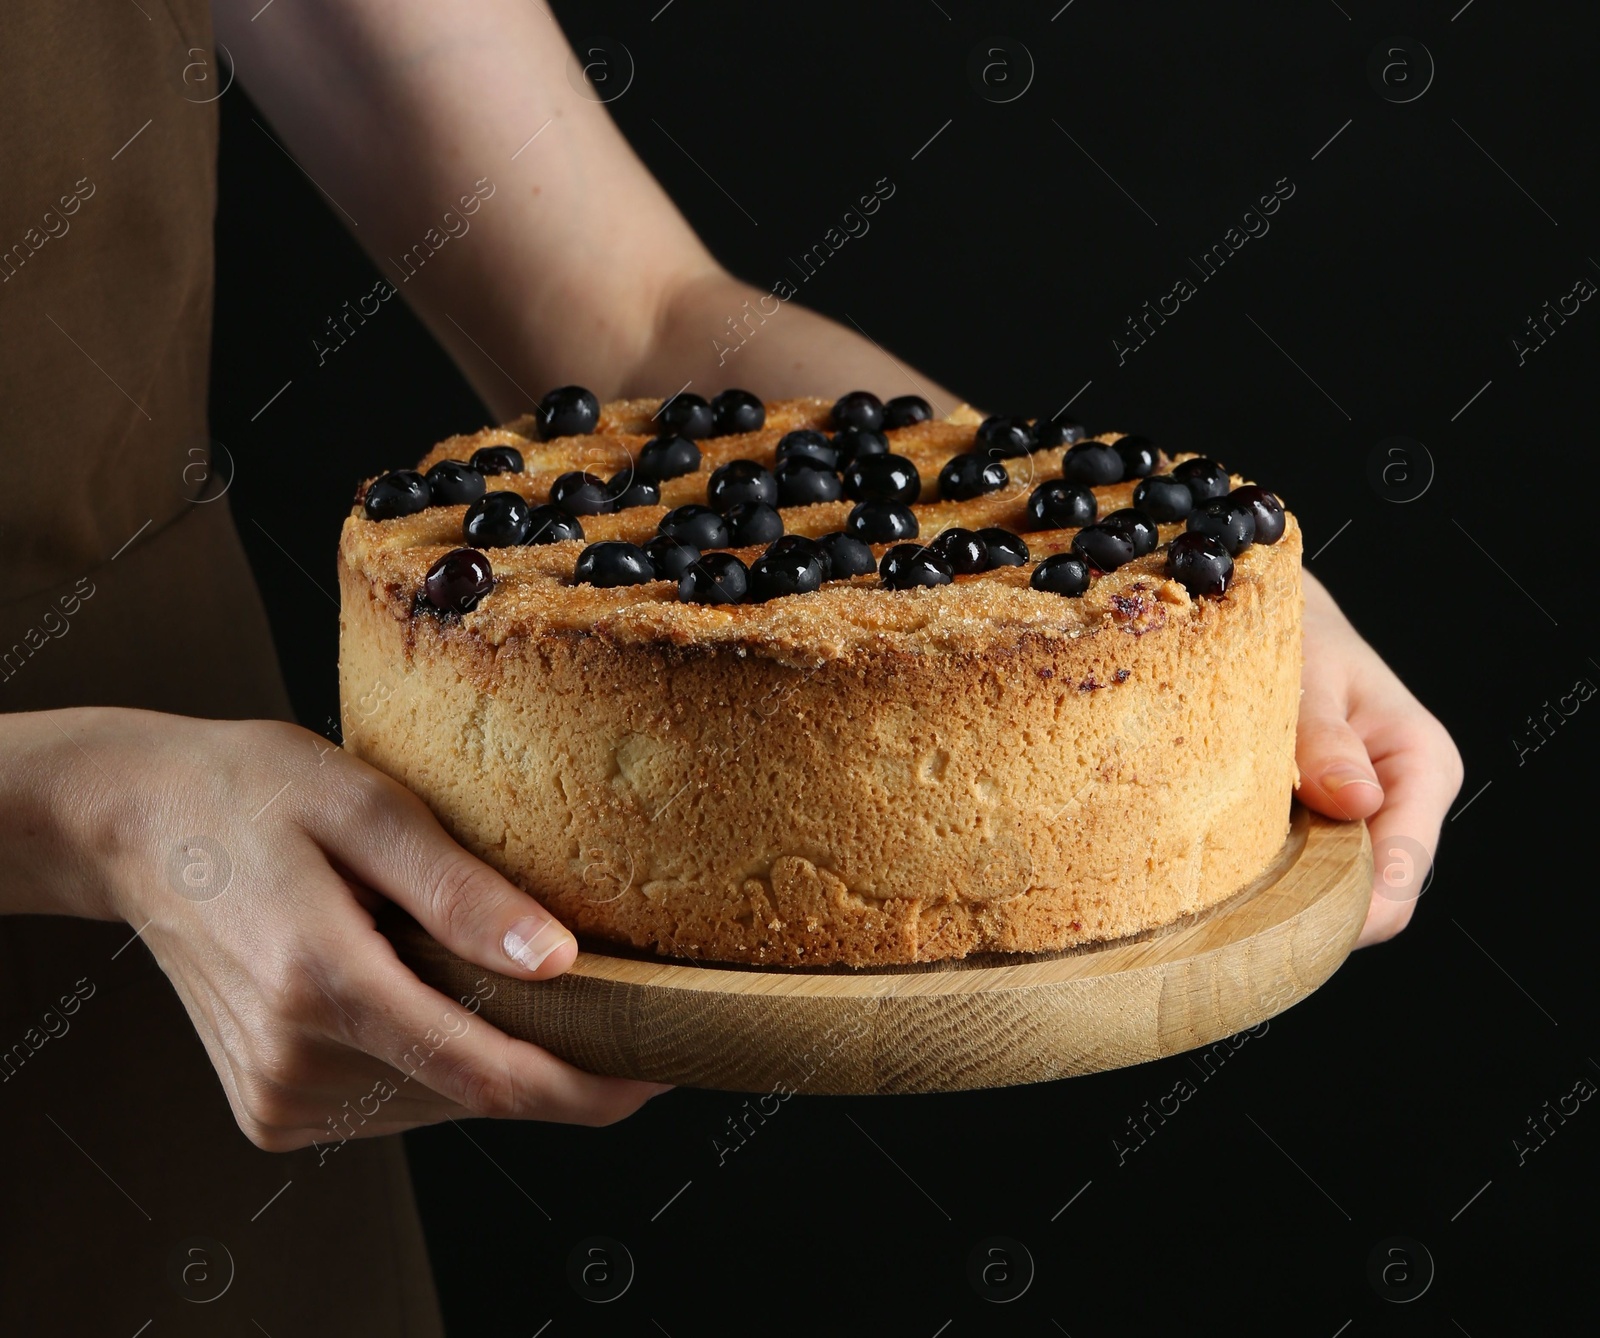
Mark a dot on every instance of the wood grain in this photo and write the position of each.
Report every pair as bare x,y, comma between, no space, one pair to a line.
982,1022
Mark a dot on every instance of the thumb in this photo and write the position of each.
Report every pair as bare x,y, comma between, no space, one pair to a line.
1336,775
395,845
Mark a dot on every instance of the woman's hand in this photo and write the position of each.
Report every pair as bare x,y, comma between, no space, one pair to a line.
250,857
1368,749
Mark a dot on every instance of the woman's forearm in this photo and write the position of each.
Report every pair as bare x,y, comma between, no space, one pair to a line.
503,205
50,806
509,211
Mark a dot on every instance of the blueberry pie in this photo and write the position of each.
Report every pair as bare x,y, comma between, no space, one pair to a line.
810,682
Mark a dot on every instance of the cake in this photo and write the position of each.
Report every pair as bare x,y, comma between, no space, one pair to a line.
1053,705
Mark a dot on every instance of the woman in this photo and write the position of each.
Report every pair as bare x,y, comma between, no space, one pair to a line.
189,878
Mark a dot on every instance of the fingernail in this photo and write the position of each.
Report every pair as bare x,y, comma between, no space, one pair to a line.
533,938
1338,777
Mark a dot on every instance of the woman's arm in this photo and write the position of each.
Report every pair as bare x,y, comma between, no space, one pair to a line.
250,857
573,264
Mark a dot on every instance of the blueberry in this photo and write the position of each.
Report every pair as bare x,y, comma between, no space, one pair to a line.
458,580
1163,497
1137,527
1005,437
1139,456
881,522
497,460
803,481
846,556
790,571
907,566
686,416
497,520
967,476
1059,505
1062,574
741,481
581,494
550,525
799,543
860,408
737,411
1048,432
1005,548
451,483
403,492
1207,479
695,525
906,410
669,557
630,488
718,578
1267,510
667,457
855,443
611,563
962,550
570,411
1231,523
1093,463
1200,564
806,444
751,523
882,478
1104,548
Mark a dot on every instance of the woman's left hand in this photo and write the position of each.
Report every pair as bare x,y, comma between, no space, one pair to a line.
1368,749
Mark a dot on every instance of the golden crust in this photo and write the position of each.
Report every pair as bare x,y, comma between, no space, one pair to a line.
854,775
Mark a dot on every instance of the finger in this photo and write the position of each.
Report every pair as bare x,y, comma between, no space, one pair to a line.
386,1105
395,845
329,1079
1336,776
352,1108
1421,777
290,1086
393,1016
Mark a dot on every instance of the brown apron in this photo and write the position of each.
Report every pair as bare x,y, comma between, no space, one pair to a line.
127,1194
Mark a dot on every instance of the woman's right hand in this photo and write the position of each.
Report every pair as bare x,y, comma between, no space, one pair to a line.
250,857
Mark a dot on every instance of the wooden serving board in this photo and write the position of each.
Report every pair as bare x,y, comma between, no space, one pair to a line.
992,1021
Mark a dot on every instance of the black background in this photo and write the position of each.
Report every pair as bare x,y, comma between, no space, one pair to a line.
1384,297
